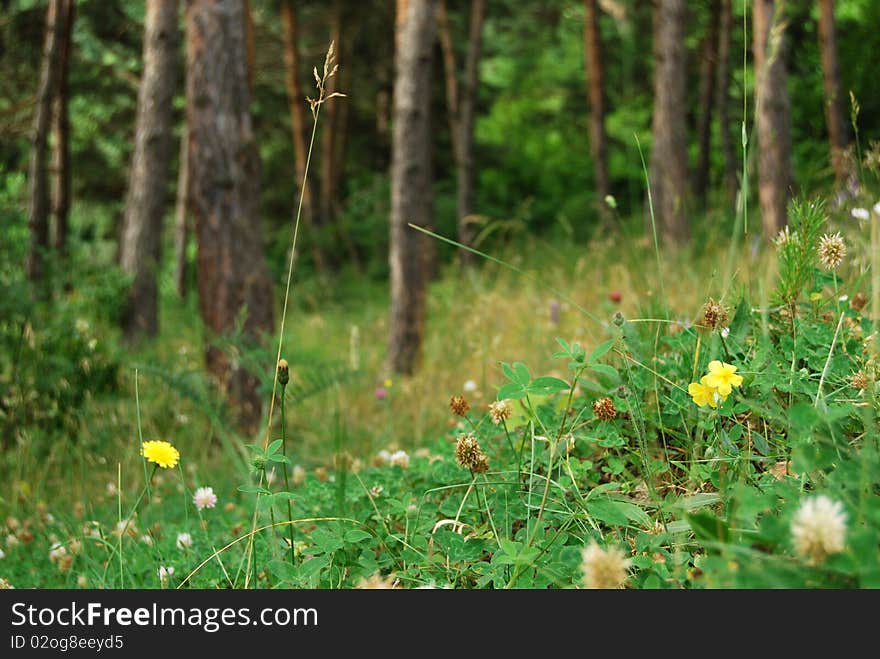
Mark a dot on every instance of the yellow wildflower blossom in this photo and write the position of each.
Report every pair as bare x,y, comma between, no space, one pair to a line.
722,377
162,453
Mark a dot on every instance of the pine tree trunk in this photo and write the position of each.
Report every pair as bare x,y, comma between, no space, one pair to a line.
668,170
838,133
411,181
772,115
297,104
38,175
596,97
140,254
722,99
467,106
706,103
61,120
181,217
224,166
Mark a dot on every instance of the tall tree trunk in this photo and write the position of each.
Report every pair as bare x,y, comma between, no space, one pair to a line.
773,114
707,93
668,170
722,98
411,181
330,126
38,175
297,106
224,166
249,47
467,106
181,217
140,251
596,97
61,147
450,76
837,128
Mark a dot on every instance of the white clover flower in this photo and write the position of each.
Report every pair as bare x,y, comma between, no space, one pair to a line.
147,540
383,457
469,386
2,554
184,541
604,568
877,208
399,458
204,497
12,541
818,528
860,214
725,332
165,573
298,475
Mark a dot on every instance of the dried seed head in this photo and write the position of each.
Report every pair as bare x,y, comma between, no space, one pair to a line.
377,582
469,454
604,568
459,405
860,381
714,315
832,250
283,372
604,409
500,411
858,301
818,528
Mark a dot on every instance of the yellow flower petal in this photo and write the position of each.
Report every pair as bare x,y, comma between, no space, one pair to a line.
160,453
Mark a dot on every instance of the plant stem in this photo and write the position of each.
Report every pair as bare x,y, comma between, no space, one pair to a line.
284,468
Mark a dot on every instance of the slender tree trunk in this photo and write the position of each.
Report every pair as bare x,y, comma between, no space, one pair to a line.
668,170
450,77
773,114
707,93
297,105
181,217
140,254
838,133
411,181
330,126
596,97
722,98
224,190
249,47
467,107
61,147
38,175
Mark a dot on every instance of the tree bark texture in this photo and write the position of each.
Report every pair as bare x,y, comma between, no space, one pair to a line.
140,251
411,182
297,105
181,218
466,113
722,99
838,132
233,278
708,66
38,175
773,115
61,120
596,97
668,169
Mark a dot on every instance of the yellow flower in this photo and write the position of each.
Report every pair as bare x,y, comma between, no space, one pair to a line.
702,394
722,377
162,453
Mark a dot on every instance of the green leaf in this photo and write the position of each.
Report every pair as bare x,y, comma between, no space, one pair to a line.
253,489
508,372
522,374
274,447
282,571
512,390
547,385
356,535
278,457
607,371
708,528
601,349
